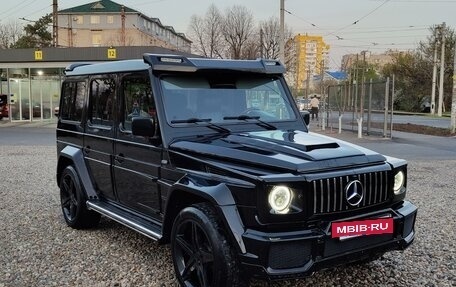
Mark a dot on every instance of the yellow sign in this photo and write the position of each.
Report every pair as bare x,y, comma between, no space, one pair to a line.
38,55
112,54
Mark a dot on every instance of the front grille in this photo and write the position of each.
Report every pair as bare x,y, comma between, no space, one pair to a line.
329,193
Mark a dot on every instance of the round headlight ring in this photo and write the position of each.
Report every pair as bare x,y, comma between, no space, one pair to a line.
399,180
280,198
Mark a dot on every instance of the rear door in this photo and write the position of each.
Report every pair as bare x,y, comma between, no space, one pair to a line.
137,159
98,142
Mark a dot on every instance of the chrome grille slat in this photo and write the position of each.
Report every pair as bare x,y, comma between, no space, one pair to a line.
341,188
321,195
329,193
387,188
315,196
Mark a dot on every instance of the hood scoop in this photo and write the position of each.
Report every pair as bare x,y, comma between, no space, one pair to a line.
268,145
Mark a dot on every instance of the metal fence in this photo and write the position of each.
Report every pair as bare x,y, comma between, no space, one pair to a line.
366,107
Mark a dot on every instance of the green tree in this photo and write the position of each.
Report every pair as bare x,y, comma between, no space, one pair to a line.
37,35
413,76
413,71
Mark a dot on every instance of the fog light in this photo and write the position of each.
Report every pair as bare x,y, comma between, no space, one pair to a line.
399,179
280,199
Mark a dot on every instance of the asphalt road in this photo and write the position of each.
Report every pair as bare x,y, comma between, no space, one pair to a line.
403,145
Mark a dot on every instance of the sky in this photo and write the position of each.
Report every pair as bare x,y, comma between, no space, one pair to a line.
348,26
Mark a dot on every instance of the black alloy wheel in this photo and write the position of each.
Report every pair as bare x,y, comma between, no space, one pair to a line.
201,254
72,201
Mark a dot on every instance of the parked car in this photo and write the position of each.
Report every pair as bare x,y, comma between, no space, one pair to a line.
304,104
36,111
4,111
193,152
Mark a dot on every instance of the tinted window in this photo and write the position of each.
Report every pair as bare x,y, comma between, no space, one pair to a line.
222,98
72,102
101,101
138,101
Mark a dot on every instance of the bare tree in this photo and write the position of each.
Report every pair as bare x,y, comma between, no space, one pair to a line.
270,31
237,30
206,33
10,33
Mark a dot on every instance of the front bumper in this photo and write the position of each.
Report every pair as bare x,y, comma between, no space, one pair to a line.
299,253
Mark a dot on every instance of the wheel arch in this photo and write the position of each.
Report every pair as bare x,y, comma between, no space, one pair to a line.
74,156
183,194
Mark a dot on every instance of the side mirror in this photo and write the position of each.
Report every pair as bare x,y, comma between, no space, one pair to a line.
306,116
143,127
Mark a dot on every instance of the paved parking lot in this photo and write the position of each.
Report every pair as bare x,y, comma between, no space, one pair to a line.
38,249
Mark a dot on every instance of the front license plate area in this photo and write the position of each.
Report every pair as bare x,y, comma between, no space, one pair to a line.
349,229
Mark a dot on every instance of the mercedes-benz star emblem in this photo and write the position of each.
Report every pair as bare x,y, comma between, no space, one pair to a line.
354,192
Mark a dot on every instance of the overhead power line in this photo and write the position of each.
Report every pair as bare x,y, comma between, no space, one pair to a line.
357,21
16,7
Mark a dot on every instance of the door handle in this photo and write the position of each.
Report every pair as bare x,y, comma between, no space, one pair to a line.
119,158
86,150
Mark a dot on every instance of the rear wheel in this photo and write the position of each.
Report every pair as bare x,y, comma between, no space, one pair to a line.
72,199
201,253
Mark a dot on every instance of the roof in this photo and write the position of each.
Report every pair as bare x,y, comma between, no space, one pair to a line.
102,6
177,63
106,68
338,75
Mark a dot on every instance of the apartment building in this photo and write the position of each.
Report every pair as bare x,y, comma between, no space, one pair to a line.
307,54
107,23
376,60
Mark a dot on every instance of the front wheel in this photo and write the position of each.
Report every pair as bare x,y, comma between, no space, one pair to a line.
72,199
201,253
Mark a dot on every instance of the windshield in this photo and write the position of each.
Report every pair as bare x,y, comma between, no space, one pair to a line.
221,99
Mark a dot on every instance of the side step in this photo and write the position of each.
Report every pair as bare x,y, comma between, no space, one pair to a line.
136,223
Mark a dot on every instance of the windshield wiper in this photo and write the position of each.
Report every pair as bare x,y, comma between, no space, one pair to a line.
259,122
207,121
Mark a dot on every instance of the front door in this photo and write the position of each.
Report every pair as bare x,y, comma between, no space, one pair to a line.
137,159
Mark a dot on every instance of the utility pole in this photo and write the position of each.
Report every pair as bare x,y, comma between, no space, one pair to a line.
453,99
434,77
442,70
282,32
55,25
307,82
261,44
122,17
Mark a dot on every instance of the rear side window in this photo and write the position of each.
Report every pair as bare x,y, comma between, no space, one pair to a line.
101,102
72,103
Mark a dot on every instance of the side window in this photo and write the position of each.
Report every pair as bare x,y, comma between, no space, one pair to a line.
72,101
137,98
101,109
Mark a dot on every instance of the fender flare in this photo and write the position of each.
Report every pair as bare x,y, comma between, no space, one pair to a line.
220,196
75,155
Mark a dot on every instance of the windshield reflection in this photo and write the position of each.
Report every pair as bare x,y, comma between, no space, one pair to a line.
234,99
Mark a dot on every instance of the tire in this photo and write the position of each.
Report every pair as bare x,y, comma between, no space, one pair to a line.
201,253
73,202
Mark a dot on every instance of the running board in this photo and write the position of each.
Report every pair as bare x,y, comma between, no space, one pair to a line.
136,223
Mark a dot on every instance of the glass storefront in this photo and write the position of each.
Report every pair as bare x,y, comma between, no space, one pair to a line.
33,93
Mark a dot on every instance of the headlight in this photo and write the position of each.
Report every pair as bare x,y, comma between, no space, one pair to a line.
280,198
399,179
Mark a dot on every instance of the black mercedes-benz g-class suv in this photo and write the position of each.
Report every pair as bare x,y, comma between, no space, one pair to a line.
213,157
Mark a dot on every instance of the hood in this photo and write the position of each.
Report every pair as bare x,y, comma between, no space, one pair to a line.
283,151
